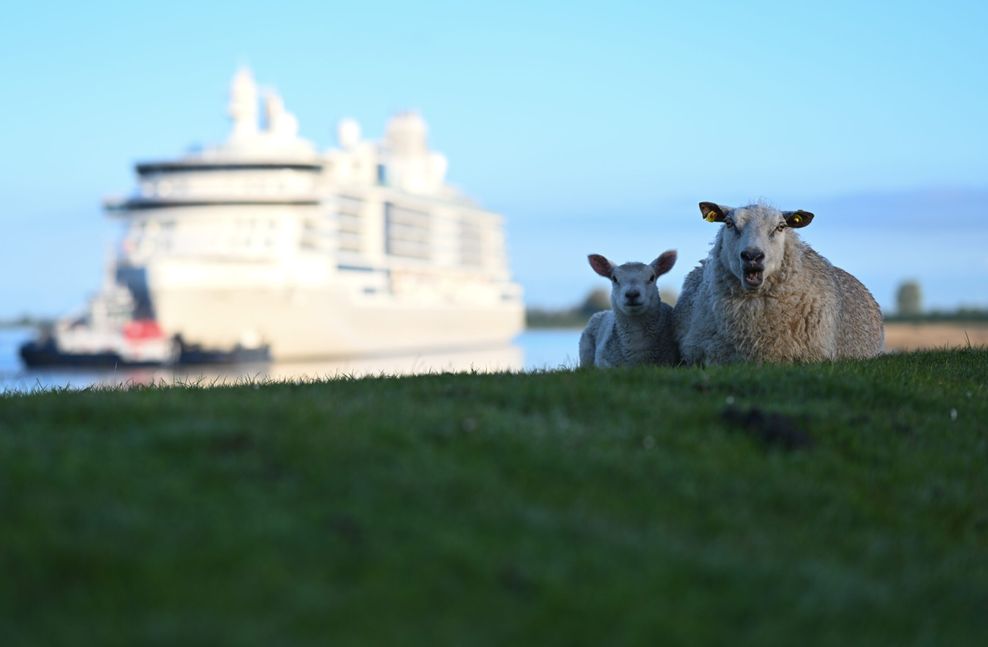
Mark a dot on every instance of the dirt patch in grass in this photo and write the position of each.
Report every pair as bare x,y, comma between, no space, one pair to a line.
770,430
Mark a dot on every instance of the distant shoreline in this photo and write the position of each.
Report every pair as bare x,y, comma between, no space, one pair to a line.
927,335
899,335
24,323
535,319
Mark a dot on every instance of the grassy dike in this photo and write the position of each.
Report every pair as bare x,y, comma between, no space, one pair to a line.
825,504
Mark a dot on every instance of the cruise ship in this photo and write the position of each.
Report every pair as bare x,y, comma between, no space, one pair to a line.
265,243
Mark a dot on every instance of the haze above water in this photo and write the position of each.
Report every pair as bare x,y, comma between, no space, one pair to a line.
593,127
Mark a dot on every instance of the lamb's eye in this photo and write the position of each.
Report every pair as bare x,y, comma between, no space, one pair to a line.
651,280
781,226
729,224
614,279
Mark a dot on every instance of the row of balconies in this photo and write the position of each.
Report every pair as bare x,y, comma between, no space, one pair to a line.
238,185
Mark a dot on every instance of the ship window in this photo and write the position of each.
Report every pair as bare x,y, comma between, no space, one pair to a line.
471,244
349,243
349,224
408,232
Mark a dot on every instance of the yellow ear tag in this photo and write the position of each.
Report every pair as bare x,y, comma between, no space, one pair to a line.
797,219
710,217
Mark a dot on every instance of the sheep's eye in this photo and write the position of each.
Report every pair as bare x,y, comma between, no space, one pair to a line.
729,224
614,278
781,226
651,280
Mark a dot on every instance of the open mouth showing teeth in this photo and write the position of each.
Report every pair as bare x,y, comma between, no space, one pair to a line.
753,278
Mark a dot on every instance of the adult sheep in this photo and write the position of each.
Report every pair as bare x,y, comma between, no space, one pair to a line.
764,295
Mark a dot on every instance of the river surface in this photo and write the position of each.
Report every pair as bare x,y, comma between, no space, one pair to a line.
533,350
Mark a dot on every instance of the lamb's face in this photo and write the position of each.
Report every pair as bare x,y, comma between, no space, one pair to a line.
633,285
753,240
633,289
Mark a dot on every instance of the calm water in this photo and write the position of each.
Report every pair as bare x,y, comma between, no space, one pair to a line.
531,351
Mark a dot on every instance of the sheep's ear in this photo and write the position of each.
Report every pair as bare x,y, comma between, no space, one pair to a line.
664,262
601,265
797,219
713,212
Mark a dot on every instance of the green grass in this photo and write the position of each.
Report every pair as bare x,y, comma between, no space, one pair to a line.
571,508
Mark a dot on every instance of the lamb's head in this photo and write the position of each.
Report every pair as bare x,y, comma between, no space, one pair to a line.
633,288
753,239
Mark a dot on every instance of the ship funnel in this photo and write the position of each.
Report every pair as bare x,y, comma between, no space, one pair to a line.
407,135
243,104
348,134
280,122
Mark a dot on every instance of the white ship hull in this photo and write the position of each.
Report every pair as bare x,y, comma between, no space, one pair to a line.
325,322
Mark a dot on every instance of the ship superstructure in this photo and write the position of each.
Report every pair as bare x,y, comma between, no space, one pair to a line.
264,241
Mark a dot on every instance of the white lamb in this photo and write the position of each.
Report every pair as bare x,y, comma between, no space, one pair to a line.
639,329
764,295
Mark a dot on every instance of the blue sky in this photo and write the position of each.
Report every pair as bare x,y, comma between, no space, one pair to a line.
587,124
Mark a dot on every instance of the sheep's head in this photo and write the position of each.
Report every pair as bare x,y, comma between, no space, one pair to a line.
753,239
633,289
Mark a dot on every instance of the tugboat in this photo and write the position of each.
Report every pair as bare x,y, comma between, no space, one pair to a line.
113,332
106,334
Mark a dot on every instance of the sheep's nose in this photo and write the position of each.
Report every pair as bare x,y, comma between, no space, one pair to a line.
752,255
632,295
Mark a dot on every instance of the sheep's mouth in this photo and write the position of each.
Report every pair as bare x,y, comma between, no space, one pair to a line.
634,308
753,278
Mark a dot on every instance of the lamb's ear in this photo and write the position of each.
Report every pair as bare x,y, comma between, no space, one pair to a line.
664,262
713,212
601,265
797,219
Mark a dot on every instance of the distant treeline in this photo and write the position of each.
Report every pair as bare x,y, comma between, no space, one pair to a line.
539,318
909,309
24,321
961,315
573,317
597,300
577,315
